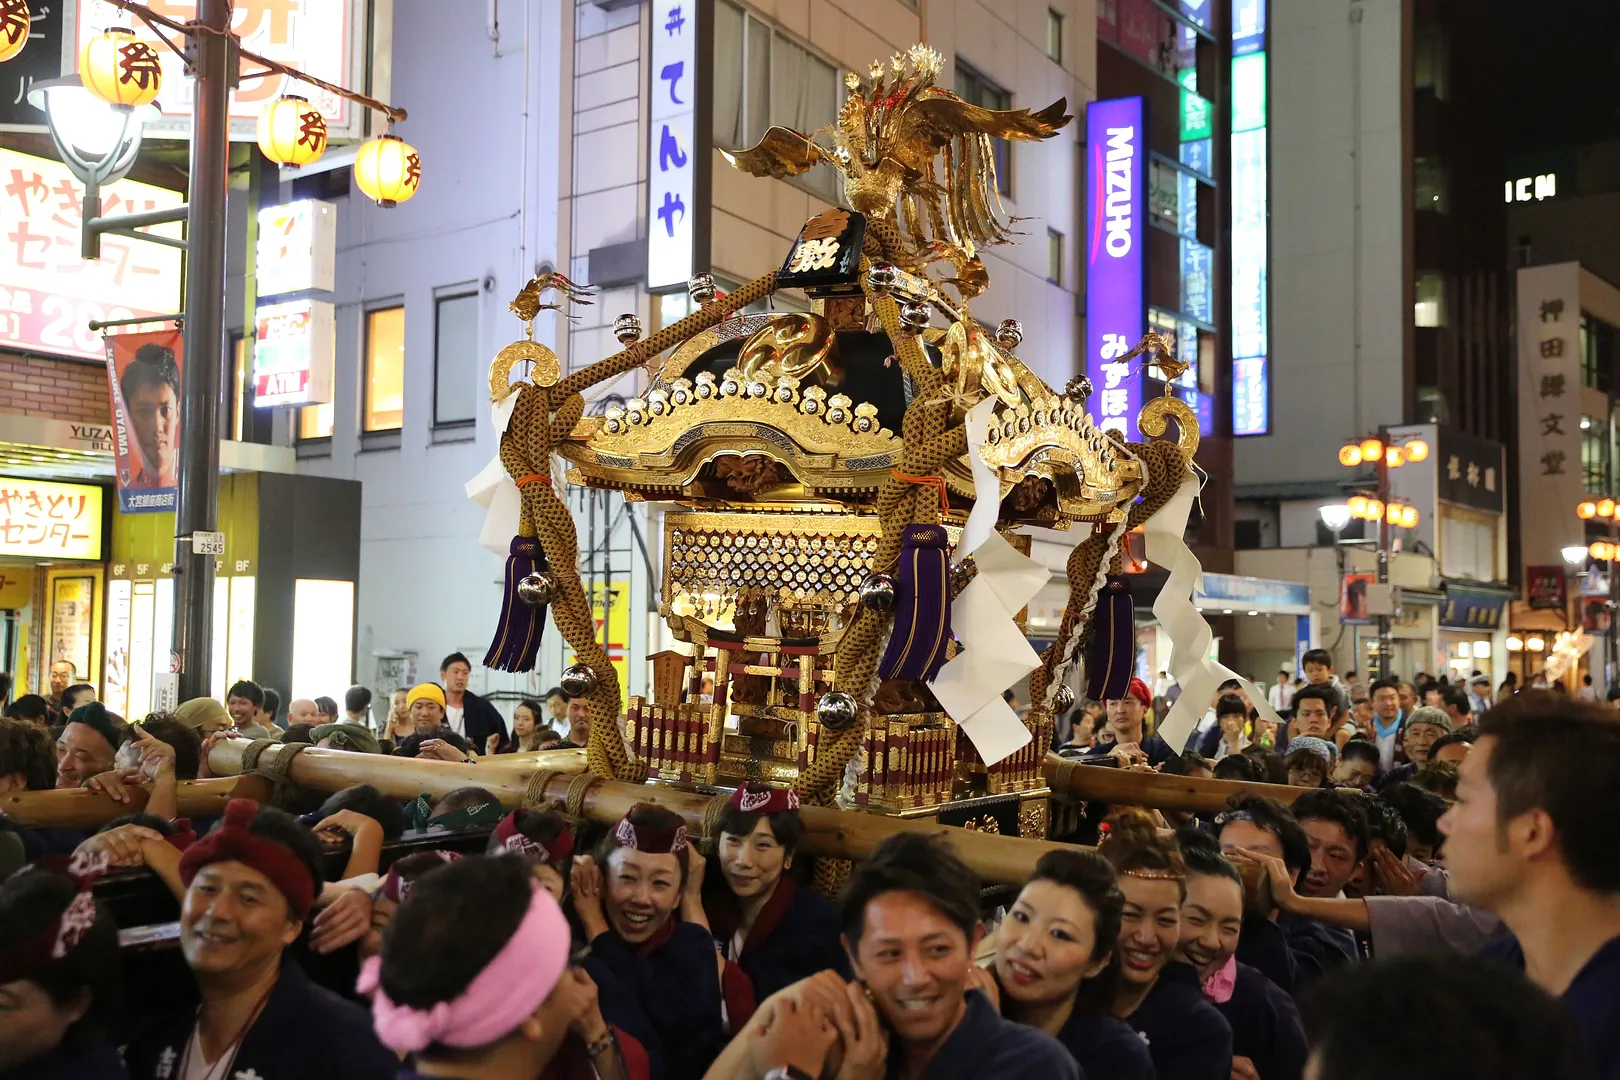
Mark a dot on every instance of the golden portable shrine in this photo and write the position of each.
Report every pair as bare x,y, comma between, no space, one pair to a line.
823,472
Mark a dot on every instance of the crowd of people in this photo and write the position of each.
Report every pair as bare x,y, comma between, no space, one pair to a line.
1381,923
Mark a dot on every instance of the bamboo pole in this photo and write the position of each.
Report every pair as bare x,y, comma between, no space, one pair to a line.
78,808
1187,794
841,834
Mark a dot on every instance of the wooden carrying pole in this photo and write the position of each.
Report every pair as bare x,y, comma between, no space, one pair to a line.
840,834
78,808
1159,791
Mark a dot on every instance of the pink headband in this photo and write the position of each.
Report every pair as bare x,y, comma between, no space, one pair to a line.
772,800
652,841
498,999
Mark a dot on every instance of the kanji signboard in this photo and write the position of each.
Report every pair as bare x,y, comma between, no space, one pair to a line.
48,294
44,520
672,155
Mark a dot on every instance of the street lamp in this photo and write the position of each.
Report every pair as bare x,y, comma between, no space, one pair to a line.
1574,554
1383,454
1336,516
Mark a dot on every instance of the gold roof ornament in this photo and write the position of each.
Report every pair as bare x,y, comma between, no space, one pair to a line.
804,449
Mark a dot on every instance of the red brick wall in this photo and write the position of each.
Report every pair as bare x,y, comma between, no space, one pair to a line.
58,389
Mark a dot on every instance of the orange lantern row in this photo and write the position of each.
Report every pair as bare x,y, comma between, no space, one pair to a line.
1401,515
1589,509
125,73
1370,450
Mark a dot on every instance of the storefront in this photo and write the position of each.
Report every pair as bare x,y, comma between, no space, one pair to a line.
53,538
1469,632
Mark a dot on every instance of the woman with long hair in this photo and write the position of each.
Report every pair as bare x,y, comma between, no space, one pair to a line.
1160,996
528,730
1054,964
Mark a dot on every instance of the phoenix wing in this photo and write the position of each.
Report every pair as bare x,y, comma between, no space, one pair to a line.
779,153
945,116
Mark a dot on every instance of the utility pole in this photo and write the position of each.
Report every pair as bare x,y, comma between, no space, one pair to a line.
214,64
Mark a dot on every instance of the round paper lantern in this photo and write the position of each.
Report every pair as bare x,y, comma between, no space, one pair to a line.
1350,455
292,132
388,169
120,70
15,23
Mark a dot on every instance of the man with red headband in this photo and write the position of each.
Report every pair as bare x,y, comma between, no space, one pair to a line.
1127,719
250,885
771,932
627,899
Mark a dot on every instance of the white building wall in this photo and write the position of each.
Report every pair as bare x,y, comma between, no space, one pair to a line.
484,115
1336,349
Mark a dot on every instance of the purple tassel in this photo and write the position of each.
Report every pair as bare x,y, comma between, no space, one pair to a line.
1111,654
922,613
517,640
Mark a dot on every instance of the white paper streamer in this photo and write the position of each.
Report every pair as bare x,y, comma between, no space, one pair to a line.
994,654
494,490
1190,636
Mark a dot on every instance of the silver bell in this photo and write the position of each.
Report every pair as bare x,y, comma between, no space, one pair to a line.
537,589
836,710
578,680
1009,334
701,289
1063,700
627,328
1079,389
877,593
914,316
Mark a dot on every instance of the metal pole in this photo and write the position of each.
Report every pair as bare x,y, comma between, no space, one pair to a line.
1611,667
1383,554
212,51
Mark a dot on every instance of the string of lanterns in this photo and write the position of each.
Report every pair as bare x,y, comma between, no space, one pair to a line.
125,72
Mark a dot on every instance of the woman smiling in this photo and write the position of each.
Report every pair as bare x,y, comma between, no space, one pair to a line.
1054,953
1158,996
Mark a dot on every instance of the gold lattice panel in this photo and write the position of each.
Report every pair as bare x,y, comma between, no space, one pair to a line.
799,560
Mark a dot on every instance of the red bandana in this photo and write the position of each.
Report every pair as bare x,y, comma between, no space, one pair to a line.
553,854
29,958
232,842
396,888
650,840
764,800
1139,690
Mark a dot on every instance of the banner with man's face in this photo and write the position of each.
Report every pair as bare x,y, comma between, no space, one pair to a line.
143,375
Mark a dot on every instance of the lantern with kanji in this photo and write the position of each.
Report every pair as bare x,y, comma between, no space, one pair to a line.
15,23
120,70
292,132
388,169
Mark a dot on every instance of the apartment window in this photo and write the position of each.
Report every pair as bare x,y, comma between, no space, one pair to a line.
1054,256
763,77
1429,304
315,422
975,89
1429,185
383,400
1054,35
455,359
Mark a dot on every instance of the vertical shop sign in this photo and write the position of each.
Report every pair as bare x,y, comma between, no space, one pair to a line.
1115,141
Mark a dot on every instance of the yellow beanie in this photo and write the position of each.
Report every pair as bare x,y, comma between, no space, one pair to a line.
426,691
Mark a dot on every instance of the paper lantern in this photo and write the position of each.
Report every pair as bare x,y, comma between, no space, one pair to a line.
1371,449
292,132
1586,510
1358,506
388,169
15,22
1394,456
1605,508
1350,455
1417,450
120,70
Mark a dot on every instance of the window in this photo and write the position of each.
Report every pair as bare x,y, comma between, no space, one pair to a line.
455,359
1164,194
1594,454
1429,306
241,392
762,78
383,399
975,89
1054,35
1431,60
315,422
1054,256
1429,185
1598,342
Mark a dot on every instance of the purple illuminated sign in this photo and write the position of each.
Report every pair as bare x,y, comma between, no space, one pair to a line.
1116,144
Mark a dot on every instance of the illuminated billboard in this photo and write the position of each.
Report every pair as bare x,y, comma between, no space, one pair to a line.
1251,240
1116,141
